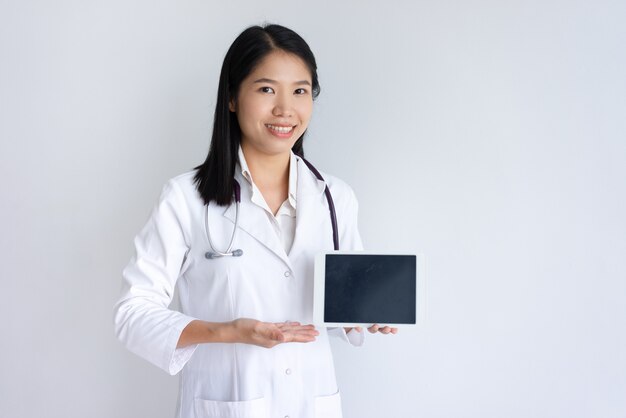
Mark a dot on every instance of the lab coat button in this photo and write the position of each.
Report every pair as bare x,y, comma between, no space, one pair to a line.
287,273
288,371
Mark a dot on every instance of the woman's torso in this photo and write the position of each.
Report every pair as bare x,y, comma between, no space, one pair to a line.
240,380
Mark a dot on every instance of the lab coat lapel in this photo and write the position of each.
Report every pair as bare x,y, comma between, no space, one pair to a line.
253,221
311,213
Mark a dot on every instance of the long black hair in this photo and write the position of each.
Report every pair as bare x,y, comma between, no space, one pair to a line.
214,178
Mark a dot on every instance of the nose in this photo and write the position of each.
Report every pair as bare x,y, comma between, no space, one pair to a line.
283,105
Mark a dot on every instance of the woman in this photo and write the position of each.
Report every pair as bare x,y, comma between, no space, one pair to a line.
239,338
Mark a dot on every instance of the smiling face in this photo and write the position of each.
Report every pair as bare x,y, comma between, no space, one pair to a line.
274,104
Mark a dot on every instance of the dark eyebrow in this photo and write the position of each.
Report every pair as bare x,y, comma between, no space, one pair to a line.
270,81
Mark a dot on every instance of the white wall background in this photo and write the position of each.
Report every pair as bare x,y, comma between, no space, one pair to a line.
489,135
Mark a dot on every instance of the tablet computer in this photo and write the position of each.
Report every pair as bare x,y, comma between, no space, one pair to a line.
357,288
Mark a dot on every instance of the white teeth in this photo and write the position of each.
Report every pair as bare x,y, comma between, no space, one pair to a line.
280,129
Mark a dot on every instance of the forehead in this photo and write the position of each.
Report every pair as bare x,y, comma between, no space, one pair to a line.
281,66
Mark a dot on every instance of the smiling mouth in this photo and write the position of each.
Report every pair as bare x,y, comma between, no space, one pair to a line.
280,129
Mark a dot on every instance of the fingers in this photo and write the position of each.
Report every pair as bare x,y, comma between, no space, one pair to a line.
294,327
290,325
268,334
301,337
294,332
382,329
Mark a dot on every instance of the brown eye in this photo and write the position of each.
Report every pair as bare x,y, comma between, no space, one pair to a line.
267,89
300,91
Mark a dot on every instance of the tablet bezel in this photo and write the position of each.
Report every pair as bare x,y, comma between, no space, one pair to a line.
319,286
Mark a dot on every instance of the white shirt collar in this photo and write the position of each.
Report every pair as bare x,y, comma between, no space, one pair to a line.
257,197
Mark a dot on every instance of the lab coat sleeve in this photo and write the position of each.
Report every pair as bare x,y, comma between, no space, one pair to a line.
143,322
349,240
353,337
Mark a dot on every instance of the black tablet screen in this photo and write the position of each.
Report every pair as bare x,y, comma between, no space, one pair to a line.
370,289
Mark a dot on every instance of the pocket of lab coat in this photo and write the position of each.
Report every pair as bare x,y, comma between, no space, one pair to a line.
328,406
241,409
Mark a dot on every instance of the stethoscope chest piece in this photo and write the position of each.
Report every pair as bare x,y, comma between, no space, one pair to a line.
209,255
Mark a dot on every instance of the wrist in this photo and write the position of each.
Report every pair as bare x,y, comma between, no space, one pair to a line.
217,332
227,332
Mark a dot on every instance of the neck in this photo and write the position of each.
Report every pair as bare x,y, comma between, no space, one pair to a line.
267,170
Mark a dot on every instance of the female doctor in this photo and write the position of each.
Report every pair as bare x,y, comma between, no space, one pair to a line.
237,237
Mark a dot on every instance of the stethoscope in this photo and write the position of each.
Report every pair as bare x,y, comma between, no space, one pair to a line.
237,191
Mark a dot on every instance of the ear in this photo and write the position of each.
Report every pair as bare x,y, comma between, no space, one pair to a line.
231,105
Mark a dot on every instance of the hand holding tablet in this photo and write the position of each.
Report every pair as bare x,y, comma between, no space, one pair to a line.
383,329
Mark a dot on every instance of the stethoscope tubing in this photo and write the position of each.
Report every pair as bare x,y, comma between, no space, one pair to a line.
331,204
228,252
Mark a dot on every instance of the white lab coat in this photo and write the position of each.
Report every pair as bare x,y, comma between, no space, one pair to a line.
236,380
